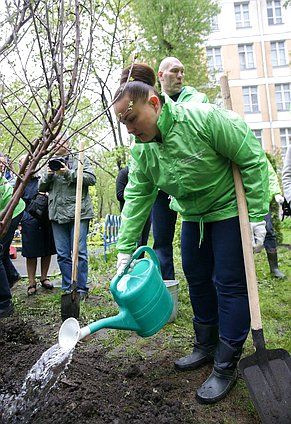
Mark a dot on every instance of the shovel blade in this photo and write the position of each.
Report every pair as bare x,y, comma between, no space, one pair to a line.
70,305
269,384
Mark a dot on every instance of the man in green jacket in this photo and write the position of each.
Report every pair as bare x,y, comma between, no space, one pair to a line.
171,76
61,186
186,150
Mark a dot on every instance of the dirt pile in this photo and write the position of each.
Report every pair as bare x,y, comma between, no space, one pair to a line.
104,386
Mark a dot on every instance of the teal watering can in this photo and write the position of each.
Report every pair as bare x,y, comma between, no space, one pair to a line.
145,304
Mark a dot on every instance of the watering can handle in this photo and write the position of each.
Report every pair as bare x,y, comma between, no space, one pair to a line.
151,252
135,255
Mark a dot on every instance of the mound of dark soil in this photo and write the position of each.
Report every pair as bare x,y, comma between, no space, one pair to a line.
103,386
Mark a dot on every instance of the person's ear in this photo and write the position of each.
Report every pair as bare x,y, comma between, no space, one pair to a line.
160,75
154,101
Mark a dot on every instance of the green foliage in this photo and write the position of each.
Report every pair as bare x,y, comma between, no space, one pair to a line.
176,28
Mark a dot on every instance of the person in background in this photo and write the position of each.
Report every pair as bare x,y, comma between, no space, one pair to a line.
121,183
37,240
286,176
270,243
61,186
9,172
171,76
186,150
12,272
7,270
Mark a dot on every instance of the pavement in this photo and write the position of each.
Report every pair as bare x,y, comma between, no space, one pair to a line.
54,270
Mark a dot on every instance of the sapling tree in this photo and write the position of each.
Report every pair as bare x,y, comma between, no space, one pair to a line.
55,55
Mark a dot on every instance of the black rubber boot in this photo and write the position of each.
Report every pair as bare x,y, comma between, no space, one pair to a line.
205,342
273,262
223,376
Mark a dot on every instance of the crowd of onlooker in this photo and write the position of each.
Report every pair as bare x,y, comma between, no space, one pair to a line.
42,238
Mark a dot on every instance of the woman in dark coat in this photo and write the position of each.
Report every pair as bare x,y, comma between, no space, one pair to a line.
37,241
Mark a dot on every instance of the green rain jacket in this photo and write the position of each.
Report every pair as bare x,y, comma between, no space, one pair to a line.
274,186
6,192
193,165
190,94
62,193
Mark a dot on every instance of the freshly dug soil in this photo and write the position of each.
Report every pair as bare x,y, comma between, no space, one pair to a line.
107,385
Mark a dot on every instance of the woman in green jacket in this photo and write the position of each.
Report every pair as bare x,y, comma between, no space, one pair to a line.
186,150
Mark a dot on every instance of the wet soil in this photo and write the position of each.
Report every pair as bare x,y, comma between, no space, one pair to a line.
109,384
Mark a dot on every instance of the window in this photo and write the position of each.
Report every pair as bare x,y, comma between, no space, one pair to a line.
285,137
246,56
258,134
274,12
282,92
250,96
214,23
278,53
214,58
242,16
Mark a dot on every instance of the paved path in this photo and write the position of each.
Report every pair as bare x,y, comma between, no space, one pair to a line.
20,265
54,270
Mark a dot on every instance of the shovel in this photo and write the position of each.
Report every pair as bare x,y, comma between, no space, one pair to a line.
70,302
267,373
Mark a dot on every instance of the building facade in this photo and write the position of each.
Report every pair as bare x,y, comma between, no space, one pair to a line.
251,44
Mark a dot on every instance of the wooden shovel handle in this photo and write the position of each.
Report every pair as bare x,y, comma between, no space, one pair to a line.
245,228
78,212
247,247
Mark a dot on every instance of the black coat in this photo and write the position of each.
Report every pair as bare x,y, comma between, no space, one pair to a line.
37,238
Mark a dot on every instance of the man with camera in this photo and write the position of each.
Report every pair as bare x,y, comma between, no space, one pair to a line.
60,181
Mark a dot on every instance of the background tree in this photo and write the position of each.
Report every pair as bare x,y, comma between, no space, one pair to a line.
177,28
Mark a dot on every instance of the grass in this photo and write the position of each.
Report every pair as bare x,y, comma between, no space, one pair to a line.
275,300
43,310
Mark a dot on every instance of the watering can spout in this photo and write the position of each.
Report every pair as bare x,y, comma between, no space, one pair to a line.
145,304
70,332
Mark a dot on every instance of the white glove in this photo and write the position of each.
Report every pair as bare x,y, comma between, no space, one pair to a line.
123,260
279,199
258,230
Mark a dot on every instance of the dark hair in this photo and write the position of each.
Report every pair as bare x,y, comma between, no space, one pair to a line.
139,72
137,80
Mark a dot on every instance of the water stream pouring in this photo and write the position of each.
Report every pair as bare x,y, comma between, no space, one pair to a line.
144,301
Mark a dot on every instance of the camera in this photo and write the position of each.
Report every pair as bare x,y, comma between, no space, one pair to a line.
57,163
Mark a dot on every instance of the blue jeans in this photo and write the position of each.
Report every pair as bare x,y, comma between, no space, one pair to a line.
216,276
8,273
163,225
64,236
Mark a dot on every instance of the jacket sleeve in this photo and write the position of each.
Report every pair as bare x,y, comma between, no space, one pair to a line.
286,176
89,178
121,183
231,137
45,182
274,185
139,195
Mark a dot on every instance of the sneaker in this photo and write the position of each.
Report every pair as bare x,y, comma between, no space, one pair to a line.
6,312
